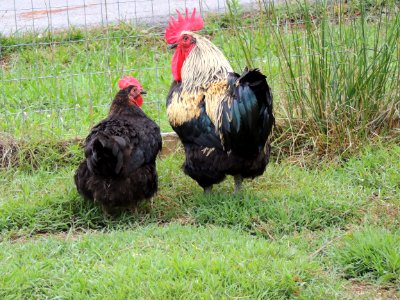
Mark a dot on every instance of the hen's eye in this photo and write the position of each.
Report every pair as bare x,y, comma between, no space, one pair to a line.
185,38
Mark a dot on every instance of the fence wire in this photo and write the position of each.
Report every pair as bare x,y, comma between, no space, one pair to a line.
60,60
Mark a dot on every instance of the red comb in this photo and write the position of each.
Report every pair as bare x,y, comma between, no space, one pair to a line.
127,81
176,26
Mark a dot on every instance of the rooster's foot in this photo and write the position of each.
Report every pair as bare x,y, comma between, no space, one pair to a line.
238,183
207,190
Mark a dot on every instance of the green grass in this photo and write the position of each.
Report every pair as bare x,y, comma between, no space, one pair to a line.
55,86
338,64
371,253
159,262
285,199
295,232
309,228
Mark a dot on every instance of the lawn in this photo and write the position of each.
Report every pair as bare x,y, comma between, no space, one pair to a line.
306,232
321,223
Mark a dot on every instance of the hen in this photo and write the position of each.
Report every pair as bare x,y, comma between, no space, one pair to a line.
119,169
222,118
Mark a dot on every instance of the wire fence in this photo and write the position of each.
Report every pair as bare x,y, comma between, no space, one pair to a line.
60,60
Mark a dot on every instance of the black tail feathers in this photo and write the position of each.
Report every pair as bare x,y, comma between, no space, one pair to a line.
248,119
105,155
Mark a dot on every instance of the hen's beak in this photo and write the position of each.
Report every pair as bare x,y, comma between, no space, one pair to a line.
173,46
142,92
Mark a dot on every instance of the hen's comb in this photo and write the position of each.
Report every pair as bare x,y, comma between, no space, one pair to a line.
127,81
176,26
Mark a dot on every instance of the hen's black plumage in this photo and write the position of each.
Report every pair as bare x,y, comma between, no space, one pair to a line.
119,168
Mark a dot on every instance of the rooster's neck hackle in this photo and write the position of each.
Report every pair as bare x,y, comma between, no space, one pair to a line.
205,63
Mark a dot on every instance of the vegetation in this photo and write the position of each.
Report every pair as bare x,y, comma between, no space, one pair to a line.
372,253
294,232
57,86
339,65
334,70
322,222
159,262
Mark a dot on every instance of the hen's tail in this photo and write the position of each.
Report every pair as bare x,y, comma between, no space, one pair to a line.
247,116
105,154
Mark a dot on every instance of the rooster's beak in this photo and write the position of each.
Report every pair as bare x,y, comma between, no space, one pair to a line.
173,46
142,92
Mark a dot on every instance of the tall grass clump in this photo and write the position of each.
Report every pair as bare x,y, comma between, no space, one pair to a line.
244,36
372,254
338,67
341,71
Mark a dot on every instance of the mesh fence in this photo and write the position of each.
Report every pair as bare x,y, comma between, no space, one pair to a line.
61,60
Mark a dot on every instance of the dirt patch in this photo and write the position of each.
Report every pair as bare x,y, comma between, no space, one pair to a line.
13,152
171,143
8,151
386,212
3,62
5,58
72,235
365,290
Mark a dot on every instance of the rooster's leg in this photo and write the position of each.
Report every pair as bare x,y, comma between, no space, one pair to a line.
207,190
106,211
238,183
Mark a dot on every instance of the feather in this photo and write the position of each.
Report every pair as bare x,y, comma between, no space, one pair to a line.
251,99
115,149
120,151
120,141
235,125
242,108
120,161
236,116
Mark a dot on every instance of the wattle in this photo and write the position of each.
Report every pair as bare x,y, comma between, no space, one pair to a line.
178,60
177,63
139,101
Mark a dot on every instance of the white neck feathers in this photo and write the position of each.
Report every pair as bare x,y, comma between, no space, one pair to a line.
204,64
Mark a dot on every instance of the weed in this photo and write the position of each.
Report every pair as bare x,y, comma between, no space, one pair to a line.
370,253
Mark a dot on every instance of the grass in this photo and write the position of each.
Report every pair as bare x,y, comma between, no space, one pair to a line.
192,262
339,64
287,198
57,85
373,253
295,232
320,223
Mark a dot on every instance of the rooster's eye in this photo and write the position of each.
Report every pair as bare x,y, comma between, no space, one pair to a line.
185,38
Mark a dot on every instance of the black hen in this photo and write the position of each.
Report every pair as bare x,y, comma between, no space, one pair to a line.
120,165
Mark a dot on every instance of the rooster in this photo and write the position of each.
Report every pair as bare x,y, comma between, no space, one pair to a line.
222,118
119,168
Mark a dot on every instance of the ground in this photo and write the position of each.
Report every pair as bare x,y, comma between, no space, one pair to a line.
323,231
